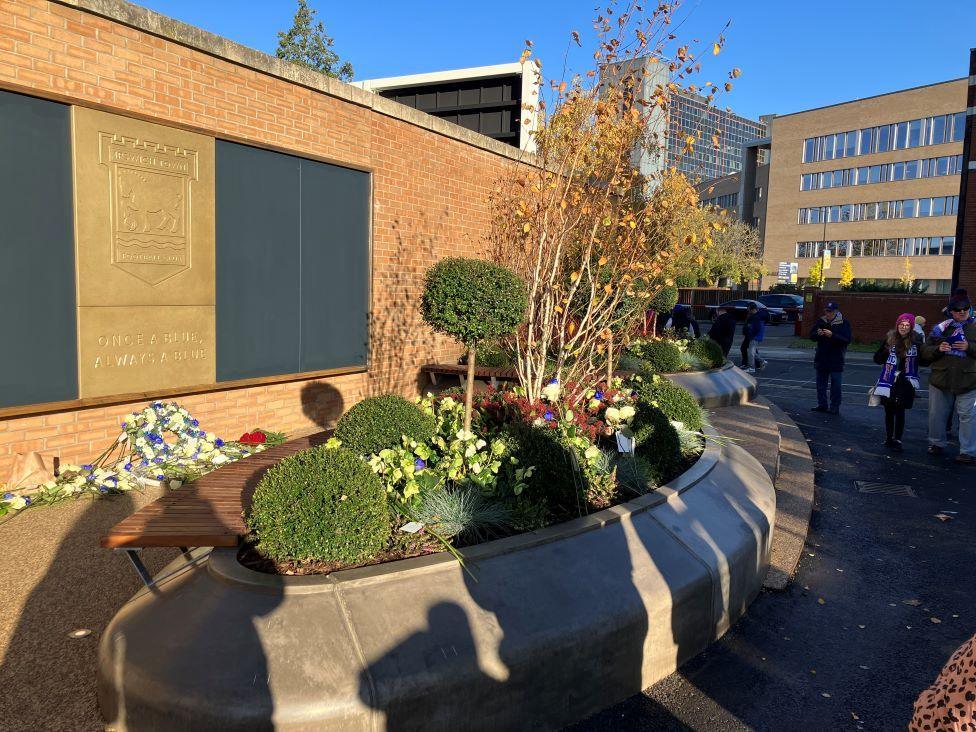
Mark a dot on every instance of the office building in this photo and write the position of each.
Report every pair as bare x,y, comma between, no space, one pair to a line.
485,99
690,114
875,179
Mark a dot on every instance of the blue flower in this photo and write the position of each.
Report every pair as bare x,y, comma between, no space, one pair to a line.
128,466
8,496
27,501
547,416
553,381
87,468
157,460
419,464
598,395
102,489
218,442
124,425
195,422
160,477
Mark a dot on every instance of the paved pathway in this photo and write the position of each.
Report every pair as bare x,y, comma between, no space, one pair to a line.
883,595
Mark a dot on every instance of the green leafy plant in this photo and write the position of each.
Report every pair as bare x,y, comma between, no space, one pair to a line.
708,352
658,445
659,356
557,480
381,422
323,504
473,301
493,355
677,403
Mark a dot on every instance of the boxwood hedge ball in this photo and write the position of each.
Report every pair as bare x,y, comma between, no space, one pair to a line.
472,300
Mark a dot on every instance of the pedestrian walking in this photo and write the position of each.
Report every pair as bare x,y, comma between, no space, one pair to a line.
898,358
723,329
683,319
753,332
832,334
951,351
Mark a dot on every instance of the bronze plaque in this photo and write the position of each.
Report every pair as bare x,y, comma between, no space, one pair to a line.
126,350
144,233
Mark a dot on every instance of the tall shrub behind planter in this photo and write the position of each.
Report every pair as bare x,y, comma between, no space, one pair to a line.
473,300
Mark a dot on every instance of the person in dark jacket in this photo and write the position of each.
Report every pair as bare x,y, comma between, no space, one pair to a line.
951,350
723,329
898,357
683,319
832,334
753,332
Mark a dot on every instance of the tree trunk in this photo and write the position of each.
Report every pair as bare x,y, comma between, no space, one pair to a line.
609,361
469,390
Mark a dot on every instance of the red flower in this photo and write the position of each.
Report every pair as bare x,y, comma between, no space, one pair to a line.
253,438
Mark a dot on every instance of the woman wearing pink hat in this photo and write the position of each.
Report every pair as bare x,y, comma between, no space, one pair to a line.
896,386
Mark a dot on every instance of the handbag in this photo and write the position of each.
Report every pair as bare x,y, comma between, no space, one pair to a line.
873,399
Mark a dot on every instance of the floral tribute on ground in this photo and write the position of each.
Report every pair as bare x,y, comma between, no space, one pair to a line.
161,444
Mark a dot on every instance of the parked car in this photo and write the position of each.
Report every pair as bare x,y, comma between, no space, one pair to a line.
739,309
791,304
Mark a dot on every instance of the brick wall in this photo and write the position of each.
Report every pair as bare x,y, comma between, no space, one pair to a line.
964,274
430,183
872,314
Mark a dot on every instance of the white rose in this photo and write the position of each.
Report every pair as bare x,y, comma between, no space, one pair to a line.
612,414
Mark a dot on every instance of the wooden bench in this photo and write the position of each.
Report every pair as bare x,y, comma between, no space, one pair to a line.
207,512
492,374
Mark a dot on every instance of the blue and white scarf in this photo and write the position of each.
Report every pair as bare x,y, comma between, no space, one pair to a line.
952,332
889,372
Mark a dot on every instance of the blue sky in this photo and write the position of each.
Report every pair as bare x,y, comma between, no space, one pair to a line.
794,54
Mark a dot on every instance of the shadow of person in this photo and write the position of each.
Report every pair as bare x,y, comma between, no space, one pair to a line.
322,403
434,678
56,579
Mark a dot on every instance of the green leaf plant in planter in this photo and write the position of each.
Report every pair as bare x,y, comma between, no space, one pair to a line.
473,301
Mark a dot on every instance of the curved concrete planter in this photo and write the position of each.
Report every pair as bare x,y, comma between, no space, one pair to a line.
556,624
721,387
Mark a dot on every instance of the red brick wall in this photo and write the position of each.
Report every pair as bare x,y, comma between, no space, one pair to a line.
965,274
429,201
872,314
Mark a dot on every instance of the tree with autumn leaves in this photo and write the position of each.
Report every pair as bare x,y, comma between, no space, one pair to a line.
594,239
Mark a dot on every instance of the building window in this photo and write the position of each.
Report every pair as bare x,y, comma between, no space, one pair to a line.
898,136
919,246
908,208
759,193
884,173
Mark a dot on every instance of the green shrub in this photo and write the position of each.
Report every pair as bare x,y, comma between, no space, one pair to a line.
677,403
557,480
657,356
708,352
378,423
472,300
321,504
493,355
664,300
658,446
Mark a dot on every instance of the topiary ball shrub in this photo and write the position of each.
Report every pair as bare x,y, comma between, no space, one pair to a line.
708,352
473,300
381,422
321,505
657,356
677,403
557,481
658,444
664,300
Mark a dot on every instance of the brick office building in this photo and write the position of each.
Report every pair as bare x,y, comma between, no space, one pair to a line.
91,89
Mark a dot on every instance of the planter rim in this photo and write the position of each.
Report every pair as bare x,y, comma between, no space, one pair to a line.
223,563
724,367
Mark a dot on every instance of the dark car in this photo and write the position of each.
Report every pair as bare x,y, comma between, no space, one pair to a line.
791,304
739,309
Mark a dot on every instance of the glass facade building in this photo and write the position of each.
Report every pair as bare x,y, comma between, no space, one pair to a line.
691,115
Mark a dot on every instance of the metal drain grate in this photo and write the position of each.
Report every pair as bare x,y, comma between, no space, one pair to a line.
885,489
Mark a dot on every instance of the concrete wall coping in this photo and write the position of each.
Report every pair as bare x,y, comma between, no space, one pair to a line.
149,21
725,386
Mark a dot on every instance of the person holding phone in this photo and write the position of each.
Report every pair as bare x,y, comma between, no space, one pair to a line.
832,334
951,351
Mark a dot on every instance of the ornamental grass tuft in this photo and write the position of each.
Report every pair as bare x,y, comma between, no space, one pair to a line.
323,504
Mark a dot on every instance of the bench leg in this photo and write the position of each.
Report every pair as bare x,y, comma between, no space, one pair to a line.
494,382
185,551
433,378
133,555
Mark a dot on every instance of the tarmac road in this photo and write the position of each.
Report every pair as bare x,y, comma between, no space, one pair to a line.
883,595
